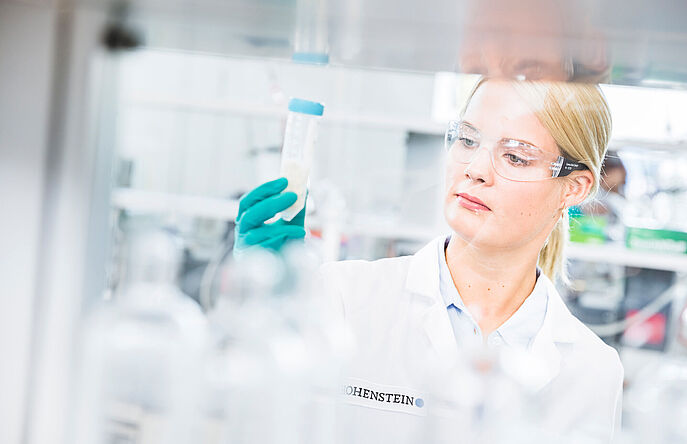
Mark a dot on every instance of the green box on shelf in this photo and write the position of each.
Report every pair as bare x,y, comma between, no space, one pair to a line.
663,241
588,229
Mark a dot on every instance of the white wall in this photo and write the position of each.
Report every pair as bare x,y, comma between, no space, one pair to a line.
26,44
189,122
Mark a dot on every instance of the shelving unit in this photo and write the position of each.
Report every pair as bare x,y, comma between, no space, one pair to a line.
266,110
423,126
619,255
150,202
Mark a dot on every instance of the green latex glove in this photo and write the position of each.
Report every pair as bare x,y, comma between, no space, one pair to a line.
257,207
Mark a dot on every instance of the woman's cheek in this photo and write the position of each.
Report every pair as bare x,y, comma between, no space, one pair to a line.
531,211
450,175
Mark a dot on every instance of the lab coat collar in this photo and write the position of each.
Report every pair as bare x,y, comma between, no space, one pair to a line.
423,280
559,328
558,320
423,271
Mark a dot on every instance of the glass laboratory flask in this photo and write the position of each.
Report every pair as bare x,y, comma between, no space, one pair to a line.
143,355
275,367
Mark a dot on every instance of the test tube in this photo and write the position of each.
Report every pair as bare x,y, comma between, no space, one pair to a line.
298,150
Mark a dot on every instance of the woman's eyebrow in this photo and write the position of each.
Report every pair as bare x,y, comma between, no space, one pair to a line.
472,127
522,141
468,124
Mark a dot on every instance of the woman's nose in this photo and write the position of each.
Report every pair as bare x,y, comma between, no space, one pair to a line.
480,167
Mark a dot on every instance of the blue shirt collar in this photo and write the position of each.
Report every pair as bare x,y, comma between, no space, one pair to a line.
522,326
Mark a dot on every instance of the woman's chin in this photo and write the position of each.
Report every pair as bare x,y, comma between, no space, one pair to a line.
469,231
466,222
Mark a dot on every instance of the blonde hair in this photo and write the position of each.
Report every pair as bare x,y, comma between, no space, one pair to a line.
578,118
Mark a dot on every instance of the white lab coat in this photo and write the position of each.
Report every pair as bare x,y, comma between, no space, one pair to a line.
404,339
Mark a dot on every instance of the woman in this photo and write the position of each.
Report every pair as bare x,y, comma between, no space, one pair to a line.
522,153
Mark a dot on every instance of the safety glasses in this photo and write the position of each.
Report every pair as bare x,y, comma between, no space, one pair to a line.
512,159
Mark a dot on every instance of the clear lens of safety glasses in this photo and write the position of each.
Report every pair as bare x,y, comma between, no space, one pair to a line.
512,159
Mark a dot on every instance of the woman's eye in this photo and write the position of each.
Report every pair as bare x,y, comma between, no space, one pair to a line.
467,142
515,160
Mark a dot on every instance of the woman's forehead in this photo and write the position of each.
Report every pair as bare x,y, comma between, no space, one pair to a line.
497,111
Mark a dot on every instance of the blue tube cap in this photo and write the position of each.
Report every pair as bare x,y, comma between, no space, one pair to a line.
314,58
306,107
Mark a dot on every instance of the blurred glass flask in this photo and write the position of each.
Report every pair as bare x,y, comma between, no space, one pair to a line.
310,39
276,365
656,403
142,355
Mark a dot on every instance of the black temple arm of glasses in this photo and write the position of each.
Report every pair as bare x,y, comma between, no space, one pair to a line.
566,166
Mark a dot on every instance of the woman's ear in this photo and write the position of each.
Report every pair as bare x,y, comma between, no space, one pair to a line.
577,187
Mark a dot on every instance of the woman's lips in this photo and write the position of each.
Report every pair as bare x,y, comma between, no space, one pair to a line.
471,202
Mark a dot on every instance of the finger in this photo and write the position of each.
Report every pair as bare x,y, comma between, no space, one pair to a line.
277,242
272,232
298,220
265,210
261,192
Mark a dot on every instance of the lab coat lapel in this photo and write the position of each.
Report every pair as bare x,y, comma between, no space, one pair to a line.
423,280
440,334
557,328
548,354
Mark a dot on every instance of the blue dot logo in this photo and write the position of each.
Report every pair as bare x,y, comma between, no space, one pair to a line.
419,402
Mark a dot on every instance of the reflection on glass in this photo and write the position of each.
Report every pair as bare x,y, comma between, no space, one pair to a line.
531,40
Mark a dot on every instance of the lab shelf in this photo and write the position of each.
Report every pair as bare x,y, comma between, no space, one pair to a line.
267,110
618,254
148,202
151,202
389,121
154,202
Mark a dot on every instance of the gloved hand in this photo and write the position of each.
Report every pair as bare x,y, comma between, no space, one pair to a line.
257,207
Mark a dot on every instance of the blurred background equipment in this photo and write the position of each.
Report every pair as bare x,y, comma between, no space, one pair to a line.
145,116
142,354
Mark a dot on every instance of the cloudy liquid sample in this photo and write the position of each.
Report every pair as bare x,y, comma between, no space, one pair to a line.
296,173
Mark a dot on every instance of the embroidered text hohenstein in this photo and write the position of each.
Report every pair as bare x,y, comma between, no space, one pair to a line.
395,398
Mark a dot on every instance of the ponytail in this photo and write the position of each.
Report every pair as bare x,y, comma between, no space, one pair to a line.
552,260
